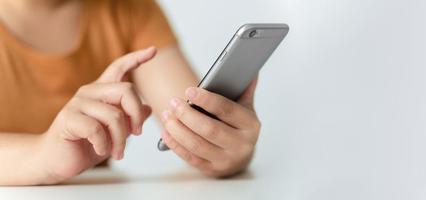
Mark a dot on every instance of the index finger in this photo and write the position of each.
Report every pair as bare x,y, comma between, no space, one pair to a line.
119,68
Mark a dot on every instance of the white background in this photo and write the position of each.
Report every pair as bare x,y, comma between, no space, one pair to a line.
342,100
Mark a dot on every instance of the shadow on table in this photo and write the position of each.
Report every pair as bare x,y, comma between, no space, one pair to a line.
108,177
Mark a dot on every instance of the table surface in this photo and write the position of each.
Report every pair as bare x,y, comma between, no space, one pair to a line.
271,180
115,184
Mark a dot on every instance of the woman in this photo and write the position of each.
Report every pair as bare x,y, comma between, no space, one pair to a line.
72,77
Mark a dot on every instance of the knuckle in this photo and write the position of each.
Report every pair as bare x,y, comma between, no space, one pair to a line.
63,115
116,115
225,107
82,89
95,128
121,68
116,61
68,109
211,130
130,60
129,91
75,101
194,146
204,100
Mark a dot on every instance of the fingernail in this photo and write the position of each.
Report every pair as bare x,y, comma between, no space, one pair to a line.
191,93
174,103
165,115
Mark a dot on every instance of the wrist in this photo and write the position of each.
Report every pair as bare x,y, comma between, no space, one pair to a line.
40,161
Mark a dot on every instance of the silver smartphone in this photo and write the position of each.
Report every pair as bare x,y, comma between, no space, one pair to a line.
240,61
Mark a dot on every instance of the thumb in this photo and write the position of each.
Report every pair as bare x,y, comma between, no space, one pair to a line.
147,111
120,67
247,98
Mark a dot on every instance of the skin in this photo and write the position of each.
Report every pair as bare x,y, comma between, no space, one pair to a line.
93,126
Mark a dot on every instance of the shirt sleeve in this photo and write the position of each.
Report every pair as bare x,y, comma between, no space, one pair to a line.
149,26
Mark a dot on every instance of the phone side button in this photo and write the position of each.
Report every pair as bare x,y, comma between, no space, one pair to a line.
223,56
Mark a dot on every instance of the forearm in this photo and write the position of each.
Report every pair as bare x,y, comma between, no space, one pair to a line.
20,163
165,77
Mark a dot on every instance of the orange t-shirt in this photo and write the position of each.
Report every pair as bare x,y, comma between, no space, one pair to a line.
34,86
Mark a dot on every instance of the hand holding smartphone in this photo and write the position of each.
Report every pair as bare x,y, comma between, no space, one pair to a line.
240,61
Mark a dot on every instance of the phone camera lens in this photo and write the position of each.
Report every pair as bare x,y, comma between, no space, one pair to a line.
253,33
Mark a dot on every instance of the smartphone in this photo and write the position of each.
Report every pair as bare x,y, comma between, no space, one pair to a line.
240,62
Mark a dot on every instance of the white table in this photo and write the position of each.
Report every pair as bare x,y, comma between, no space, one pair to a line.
109,184
312,176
